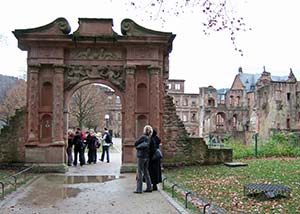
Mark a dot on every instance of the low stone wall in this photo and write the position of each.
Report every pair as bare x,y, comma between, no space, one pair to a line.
218,155
12,140
195,152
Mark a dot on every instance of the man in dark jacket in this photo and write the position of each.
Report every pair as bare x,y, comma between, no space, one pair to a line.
91,141
78,149
142,147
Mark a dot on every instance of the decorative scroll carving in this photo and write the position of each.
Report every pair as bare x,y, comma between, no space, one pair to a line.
130,28
97,54
78,73
63,25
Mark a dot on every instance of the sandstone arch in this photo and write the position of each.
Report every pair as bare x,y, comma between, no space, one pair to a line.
59,62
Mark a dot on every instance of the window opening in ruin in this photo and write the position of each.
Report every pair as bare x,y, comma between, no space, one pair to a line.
238,100
211,102
186,102
234,121
220,121
231,100
184,118
193,117
288,96
288,125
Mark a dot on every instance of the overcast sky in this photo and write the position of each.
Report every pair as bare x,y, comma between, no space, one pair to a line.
201,60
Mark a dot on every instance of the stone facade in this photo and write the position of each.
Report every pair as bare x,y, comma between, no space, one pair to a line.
255,103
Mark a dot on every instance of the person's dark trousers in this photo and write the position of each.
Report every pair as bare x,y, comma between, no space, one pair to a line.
83,151
143,170
81,157
70,157
76,152
92,156
105,149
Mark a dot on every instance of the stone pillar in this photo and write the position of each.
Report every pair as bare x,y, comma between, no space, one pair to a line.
58,107
33,104
155,102
128,122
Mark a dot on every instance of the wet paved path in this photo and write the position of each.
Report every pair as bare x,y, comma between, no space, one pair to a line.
96,188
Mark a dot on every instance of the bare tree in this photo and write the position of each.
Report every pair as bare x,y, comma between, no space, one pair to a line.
217,15
88,106
15,98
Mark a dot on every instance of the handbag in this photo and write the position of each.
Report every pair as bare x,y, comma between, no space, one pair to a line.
157,155
142,145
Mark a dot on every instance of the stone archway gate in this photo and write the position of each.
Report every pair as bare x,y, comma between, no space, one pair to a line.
134,64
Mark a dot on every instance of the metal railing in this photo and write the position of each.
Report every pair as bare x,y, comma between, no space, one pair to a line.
14,178
191,195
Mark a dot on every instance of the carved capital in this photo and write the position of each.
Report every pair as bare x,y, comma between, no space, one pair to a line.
154,70
34,68
59,68
130,69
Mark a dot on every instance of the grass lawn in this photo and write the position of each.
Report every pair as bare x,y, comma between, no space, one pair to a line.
223,185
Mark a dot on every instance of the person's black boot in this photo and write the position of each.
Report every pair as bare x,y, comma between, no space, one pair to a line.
154,187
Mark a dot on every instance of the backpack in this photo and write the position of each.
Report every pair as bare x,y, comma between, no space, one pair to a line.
108,138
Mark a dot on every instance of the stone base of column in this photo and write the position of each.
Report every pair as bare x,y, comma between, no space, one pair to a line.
128,167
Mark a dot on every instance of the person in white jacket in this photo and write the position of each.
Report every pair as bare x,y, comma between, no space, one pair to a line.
106,142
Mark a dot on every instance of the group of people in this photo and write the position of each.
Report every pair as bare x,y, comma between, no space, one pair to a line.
148,167
78,141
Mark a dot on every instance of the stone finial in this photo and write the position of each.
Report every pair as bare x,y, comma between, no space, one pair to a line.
240,70
264,68
292,77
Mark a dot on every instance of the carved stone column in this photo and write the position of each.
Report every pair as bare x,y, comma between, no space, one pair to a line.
33,104
155,99
128,121
58,107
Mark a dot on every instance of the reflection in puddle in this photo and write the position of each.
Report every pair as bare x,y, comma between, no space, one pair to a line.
77,179
52,188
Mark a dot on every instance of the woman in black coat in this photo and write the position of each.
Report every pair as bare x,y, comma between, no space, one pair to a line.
154,165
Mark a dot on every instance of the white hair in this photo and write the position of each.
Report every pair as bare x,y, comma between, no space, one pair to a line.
148,129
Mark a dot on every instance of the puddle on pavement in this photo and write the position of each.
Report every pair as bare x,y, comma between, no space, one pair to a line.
77,179
52,188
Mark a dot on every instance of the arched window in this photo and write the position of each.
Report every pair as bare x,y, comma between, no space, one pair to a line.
220,120
142,96
231,100
47,94
211,102
234,121
238,101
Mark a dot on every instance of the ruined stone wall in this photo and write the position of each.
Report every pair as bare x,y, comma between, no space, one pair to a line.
12,140
179,149
277,108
